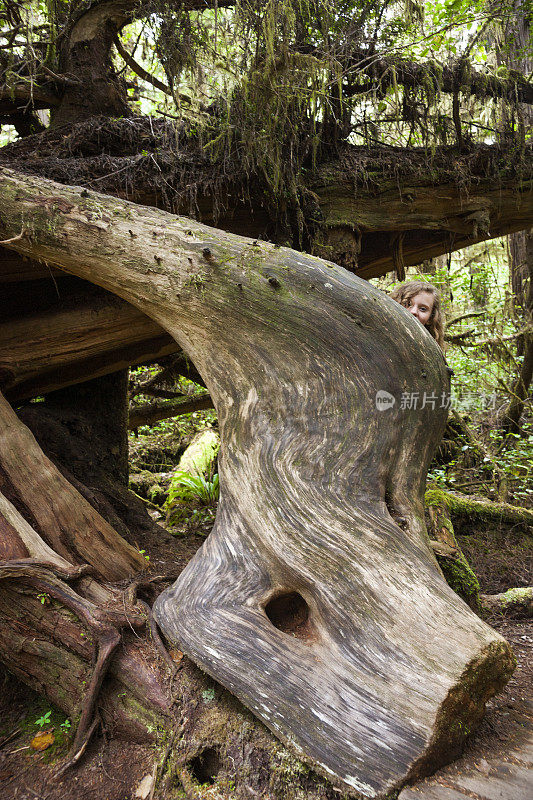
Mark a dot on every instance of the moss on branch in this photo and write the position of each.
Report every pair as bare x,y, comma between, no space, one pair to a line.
478,508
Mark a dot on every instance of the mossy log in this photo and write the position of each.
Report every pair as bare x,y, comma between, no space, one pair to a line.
479,507
455,567
199,456
293,601
516,603
151,485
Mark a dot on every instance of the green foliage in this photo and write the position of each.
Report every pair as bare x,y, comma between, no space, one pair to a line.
485,364
266,88
460,576
208,695
191,499
44,719
193,487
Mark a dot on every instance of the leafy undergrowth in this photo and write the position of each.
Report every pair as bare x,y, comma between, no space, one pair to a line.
42,731
110,770
182,503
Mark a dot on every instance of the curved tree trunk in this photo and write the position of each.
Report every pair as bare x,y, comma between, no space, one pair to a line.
316,599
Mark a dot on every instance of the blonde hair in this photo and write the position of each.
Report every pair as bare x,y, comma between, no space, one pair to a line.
406,291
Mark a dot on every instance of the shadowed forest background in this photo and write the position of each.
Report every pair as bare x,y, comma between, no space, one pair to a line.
390,138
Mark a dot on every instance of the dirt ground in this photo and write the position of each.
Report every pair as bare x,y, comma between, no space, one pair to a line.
113,770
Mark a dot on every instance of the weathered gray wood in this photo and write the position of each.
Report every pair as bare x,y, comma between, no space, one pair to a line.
507,782
433,792
61,331
327,618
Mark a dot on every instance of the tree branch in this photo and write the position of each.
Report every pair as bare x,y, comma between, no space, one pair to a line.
461,317
140,71
35,96
459,76
151,413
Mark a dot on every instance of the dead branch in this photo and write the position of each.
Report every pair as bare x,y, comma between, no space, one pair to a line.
154,412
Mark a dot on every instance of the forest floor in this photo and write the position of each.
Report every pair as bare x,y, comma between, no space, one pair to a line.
113,770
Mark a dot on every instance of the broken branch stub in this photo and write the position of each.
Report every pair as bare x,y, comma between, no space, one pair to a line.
316,599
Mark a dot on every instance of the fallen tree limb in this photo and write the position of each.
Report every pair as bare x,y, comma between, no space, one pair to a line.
515,603
477,507
151,413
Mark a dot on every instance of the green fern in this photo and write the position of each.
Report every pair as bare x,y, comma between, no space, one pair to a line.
185,487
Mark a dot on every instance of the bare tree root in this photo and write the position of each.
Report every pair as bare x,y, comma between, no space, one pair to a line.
156,638
103,624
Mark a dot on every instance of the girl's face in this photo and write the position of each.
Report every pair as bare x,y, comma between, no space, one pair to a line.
421,306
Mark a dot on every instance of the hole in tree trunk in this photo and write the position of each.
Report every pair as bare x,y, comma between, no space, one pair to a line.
289,613
206,766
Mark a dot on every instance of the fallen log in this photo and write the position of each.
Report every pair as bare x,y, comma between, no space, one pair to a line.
515,603
150,413
479,507
57,332
293,602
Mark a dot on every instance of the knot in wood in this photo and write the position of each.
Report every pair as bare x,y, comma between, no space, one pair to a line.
274,282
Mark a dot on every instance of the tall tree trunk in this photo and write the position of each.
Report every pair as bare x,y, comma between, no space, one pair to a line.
321,477
104,401
517,55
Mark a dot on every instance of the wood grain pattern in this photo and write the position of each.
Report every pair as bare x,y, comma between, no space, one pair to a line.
316,599
62,517
61,331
